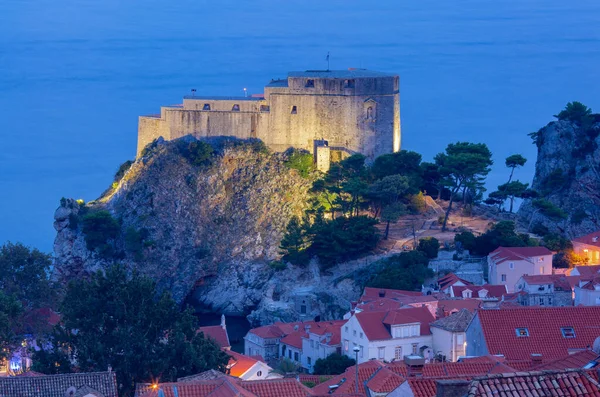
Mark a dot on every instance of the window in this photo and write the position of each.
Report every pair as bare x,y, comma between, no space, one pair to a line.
349,83
460,339
361,335
354,332
310,83
206,106
295,356
294,109
235,108
541,259
259,373
549,301
290,354
541,269
541,301
522,332
381,353
265,108
370,112
346,345
312,344
504,277
362,351
398,353
511,265
568,332
309,360
346,328
415,348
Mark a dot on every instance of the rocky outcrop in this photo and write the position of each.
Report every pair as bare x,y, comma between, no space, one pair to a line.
567,177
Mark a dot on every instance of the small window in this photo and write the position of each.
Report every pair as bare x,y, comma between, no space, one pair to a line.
568,332
511,265
522,332
294,109
381,353
415,348
346,328
235,108
370,113
290,354
361,335
354,332
549,301
259,373
398,353
310,83
206,106
265,108
309,360
541,301
541,259
504,277
295,356
541,269
349,83
362,351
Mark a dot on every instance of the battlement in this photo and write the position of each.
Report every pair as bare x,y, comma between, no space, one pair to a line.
354,110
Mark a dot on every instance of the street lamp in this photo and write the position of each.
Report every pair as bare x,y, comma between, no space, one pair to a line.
356,350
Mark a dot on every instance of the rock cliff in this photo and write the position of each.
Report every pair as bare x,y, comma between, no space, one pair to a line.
207,234
567,177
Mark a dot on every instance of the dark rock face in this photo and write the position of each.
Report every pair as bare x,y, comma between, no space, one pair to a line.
218,225
567,174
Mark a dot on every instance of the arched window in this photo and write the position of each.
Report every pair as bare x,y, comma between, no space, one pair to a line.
370,112
206,106
235,108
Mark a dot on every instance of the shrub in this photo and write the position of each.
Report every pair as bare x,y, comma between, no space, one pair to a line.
555,242
548,209
466,240
302,161
417,204
405,271
149,148
277,265
575,112
134,242
578,216
123,168
556,180
198,153
429,246
99,228
334,364
502,234
540,229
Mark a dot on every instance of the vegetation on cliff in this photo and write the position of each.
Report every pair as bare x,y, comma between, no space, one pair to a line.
122,322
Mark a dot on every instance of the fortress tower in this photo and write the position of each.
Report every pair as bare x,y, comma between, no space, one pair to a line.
323,111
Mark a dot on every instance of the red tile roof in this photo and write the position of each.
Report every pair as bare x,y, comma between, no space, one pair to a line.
448,306
294,339
316,379
371,292
493,291
216,333
575,360
469,368
384,381
449,280
218,388
374,323
588,272
423,387
276,388
239,364
544,326
503,254
560,282
279,329
365,371
547,383
333,328
589,239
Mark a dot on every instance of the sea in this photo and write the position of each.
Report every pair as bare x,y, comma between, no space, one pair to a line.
76,74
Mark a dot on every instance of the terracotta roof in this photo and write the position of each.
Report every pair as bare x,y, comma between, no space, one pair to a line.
493,291
211,374
276,388
448,306
374,323
560,282
316,379
348,386
589,239
457,322
218,334
461,369
384,381
575,360
294,339
333,328
239,364
544,328
423,387
213,388
104,383
588,272
371,292
547,383
279,329
590,285
503,254
449,280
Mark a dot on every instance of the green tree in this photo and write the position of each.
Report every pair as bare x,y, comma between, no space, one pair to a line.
293,242
198,153
10,312
433,182
99,229
121,321
514,161
334,364
388,191
391,213
405,163
575,112
429,246
302,161
25,275
463,164
466,240
502,234
405,271
512,190
498,198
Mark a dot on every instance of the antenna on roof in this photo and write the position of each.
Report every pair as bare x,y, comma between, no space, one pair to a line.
327,59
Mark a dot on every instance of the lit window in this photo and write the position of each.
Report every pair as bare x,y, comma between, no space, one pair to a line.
541,269
206,106
235,108
568,332
346,345
294,109
310,83
522,332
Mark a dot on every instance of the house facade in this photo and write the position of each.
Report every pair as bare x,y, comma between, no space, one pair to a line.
388,335
588,246
449,335
506,265
588,294
544,290
320,341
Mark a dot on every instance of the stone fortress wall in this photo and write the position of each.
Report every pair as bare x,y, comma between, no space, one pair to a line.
351,111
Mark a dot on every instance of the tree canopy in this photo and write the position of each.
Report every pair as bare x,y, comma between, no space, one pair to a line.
405,271
121,321
334,364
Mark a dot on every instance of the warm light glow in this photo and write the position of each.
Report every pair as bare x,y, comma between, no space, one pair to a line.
155,386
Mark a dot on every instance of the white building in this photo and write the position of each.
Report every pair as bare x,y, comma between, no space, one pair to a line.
388,335
320,341
588,294
588,246
449,335
506,265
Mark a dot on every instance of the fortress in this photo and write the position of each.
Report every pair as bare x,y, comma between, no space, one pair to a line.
331,113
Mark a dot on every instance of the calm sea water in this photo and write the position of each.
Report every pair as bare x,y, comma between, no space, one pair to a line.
75,75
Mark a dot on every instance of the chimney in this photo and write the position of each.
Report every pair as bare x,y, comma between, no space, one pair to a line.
223,322
536,358
381,293
452,388
306,328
